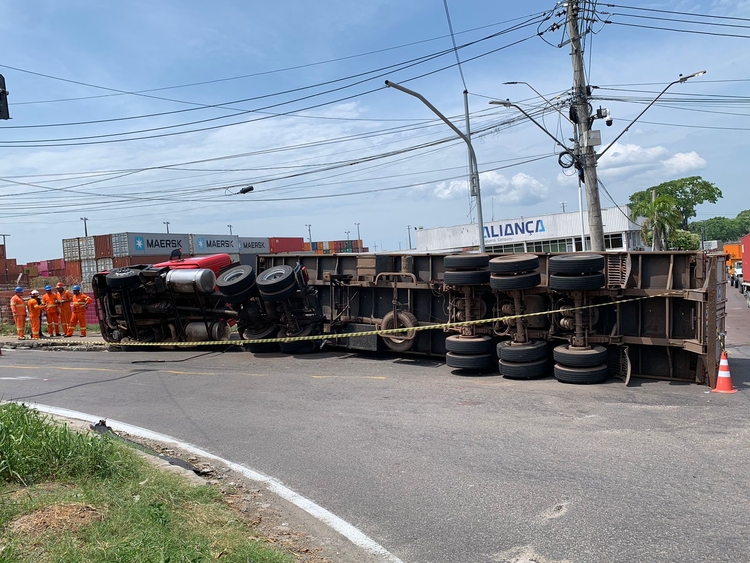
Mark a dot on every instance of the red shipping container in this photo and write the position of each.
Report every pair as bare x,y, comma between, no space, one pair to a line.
286,244
72,273
103,246
121,262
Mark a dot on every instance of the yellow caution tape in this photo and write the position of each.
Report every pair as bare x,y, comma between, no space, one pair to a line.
379,332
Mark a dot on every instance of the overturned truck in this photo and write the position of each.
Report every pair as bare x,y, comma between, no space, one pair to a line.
583,317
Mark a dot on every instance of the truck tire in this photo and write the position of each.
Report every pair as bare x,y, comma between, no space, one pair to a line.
468,344
400,341
268,331
236,279
468,277
579,357
524,370
299,346
477,362
121,278
519,353
576,264
466,261
275,279
587,375
586,282
517,282
514,263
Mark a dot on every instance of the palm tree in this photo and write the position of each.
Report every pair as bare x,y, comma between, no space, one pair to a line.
660,217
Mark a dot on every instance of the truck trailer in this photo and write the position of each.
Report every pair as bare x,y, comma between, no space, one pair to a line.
582,317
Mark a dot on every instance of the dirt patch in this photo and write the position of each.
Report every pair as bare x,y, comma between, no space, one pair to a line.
56,518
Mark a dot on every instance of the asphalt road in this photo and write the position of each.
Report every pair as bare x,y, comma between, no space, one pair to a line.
440,468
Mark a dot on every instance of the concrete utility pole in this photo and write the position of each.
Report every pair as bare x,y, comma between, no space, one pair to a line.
586,138
347,235
230,230
309,232
167,224
408,231
563,204
85,226
5,251
358,235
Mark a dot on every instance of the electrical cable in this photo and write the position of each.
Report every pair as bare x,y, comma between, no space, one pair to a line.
453,39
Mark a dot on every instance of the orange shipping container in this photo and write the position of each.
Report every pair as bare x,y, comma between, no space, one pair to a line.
72,272
103,246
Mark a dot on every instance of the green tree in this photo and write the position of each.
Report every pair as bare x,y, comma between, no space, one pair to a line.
743,222
687,192
718,228
684,240
660,218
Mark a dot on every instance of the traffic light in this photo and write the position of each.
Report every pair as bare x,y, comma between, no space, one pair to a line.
4,113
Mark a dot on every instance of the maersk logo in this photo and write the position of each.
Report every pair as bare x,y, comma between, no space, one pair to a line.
512,229
162,242
200,243
221,243
248,245
140,244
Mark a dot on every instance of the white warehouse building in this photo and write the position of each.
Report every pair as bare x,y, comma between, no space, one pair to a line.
560,232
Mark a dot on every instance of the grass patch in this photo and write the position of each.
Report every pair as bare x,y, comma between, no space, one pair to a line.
66,496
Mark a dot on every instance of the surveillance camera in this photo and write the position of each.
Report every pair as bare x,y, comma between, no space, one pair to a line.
608,119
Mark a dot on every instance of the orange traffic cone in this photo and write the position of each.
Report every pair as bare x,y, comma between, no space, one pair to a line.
724,381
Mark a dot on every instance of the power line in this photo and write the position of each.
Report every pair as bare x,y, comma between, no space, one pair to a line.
453,39
676,13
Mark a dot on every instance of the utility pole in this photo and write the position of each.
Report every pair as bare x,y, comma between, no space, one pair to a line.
408,230
167,224
309,232
563,204
230,230
5,258
358,236
587,139
347,235
85,227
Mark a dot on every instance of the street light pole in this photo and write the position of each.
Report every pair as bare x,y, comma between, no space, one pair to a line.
309,232
5,258
358,237
474,170
230,230
347,235
408,230
85,226
167,224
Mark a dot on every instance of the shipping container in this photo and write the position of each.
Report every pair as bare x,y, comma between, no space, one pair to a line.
286,244
254,245
125,261
314,246
88,270
72,272
201,245
103,246
104,264
307,247
80,248
43,266
148,244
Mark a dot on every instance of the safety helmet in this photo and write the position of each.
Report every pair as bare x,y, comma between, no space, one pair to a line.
60,284
19,289
34,293
76,288
47,288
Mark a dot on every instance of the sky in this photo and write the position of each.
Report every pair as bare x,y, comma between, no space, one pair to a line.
133,114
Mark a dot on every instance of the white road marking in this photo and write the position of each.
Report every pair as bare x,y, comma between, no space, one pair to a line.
17,378
350,532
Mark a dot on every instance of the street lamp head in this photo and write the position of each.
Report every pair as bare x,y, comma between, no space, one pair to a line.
509,83
689,76
505,103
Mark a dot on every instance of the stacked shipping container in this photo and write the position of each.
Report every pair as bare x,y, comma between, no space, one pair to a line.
337,246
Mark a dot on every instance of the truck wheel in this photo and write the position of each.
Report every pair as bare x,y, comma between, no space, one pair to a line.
236,279
242,296
519,281
468,344
275,279
587,375
400,341
519,353
466,261
580,357
514,263
268,331
524,370
121,278
299,346
477,362
469,277
586,282
576,264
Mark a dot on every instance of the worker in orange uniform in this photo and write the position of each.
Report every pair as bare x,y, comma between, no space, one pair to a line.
80,304
18,307
35,314
65,298
51,302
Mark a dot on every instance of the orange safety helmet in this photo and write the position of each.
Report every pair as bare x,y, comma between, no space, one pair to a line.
60,284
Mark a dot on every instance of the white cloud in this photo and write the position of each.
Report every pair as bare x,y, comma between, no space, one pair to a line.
521,189
451,190
629,159
683,162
